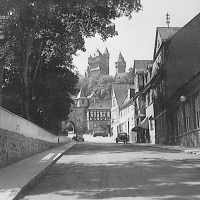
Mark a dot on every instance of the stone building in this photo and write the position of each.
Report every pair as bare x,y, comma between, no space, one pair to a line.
120,66
98,64
77,117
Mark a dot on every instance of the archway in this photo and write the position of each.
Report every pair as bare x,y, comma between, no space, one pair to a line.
70,126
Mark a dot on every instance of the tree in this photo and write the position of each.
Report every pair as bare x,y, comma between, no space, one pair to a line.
41,32
127,79
100,85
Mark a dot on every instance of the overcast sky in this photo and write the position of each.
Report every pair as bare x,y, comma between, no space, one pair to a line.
136,37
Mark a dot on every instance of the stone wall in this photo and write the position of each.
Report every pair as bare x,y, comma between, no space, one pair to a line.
189,140
15,147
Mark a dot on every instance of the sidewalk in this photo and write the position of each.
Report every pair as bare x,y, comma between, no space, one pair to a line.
17,177
171,147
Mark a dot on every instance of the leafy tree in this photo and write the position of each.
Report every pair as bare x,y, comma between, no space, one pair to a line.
127,79
100,85
44,34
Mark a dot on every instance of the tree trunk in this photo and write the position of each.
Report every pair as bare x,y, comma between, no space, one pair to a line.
1,78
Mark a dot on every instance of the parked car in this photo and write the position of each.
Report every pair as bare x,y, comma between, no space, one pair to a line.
122,137
78,138
100,133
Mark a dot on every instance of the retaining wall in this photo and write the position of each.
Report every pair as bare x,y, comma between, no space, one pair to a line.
20,138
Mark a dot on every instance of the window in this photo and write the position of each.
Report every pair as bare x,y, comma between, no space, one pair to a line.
94,124
197,110
108,115
113,102
187,116
82,101
151,123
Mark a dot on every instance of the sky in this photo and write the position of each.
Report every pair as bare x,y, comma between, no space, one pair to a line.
136,37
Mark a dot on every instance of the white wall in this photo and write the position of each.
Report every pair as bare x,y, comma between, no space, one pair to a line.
14,123
150,112
128,115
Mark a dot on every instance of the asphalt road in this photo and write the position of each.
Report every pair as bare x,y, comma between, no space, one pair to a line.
92,170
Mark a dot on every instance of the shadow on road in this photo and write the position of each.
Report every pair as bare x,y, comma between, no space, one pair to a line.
125,172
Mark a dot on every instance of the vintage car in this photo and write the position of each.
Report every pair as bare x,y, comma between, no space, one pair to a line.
78,138
100,133
122,137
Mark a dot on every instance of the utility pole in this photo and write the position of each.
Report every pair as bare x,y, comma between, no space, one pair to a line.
168,19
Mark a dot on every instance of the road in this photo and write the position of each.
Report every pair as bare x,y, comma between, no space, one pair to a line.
105,170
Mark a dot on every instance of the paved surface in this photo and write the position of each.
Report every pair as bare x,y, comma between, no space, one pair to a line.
110,171
18,177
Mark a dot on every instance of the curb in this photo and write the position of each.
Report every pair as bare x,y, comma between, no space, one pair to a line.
36,179
195,152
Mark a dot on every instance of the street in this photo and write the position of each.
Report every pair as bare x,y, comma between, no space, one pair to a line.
105,170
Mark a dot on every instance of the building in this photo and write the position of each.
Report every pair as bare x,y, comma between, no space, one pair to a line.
126,114
158,80
120,66
98,64
98,116
171,88
78,115
119,93
141,127
182,70
89,114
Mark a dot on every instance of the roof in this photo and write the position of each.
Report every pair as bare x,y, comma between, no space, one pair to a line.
106,51
141,65
166,33
121,58
101,104
120,91
81,94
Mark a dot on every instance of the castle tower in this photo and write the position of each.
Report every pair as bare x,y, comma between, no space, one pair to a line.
98,63
81,99
107,57
120,65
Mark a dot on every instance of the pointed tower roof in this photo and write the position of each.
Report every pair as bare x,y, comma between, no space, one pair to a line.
121,58
106,51
81,94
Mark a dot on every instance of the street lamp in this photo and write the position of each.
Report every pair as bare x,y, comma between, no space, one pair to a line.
183,98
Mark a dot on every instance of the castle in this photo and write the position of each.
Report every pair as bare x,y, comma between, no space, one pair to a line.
98,64
89,112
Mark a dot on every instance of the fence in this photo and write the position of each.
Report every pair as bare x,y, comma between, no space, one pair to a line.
16,124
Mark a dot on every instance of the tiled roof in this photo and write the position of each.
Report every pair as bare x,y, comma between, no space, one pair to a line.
100,104
166,32
120,92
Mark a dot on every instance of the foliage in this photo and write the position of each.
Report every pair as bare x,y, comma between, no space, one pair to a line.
127,79
40,37
102,85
